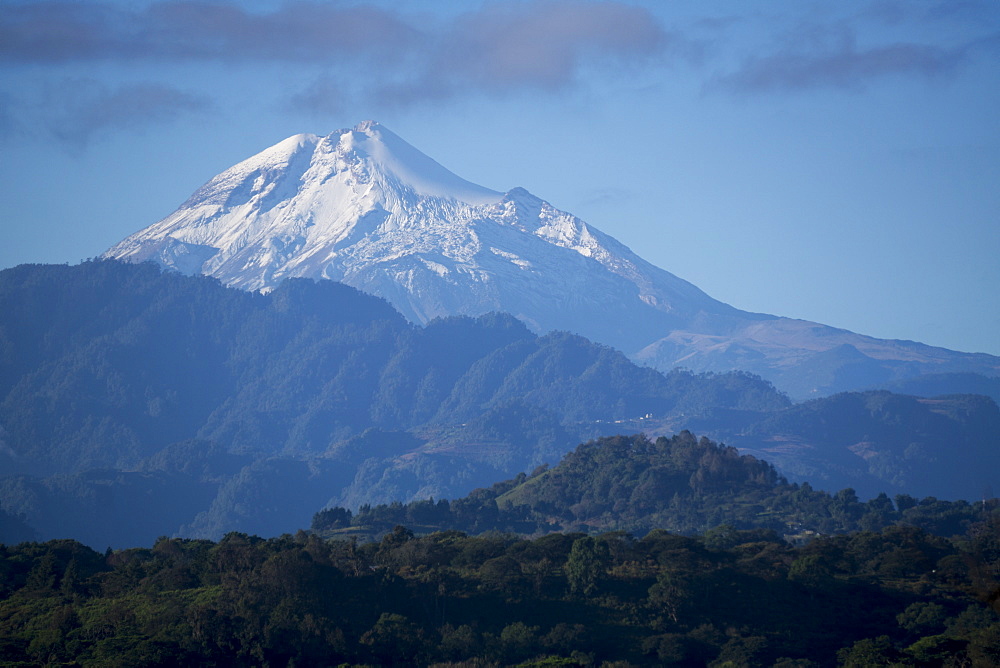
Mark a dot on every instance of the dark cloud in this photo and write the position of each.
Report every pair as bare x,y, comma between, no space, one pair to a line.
538,45
49,32
827,49
544,44
57,31
77,110
843,66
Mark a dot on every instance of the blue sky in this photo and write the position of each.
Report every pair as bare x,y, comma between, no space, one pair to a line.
838,162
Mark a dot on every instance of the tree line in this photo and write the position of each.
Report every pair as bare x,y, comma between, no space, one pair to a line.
728,597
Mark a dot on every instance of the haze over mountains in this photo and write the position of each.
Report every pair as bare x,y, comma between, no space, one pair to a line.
136,403
363,207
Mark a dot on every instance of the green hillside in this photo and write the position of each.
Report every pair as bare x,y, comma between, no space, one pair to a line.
682,484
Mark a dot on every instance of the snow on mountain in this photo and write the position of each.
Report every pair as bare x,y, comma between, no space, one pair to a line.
364,207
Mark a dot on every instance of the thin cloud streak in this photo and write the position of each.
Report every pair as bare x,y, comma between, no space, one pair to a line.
813,55
540,45
540,41
54,32
845,68
544,44
361,53
81,109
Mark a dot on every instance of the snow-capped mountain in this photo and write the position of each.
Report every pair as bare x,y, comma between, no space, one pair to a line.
364,207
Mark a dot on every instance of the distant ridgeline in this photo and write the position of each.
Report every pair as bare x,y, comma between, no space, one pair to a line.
135,404
681,484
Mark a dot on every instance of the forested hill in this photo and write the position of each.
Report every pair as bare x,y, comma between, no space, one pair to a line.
683,484
900,597
135,403
105,364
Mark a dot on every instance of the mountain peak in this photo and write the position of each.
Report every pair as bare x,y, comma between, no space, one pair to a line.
364,207
367,126
385,152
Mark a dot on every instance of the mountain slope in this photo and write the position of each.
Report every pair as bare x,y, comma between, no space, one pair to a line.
363,207
120,383
884,442
637,485
129,394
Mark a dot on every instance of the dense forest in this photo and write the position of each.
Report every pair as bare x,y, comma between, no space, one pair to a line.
682,484
899,597
135,404
600,582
